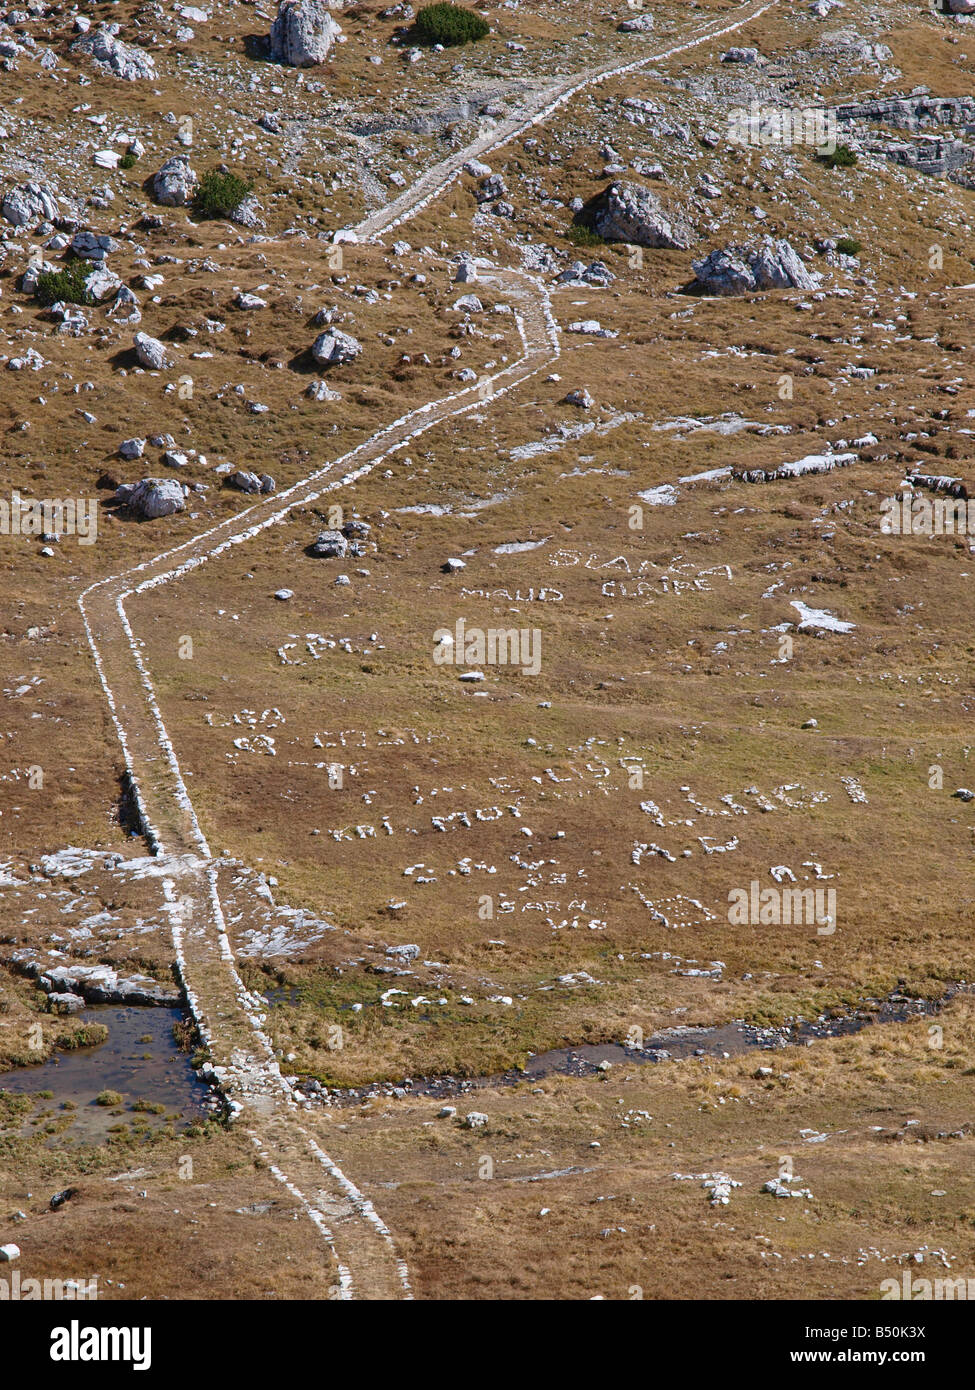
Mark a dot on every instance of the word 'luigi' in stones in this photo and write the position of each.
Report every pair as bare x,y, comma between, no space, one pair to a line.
303,33
151,498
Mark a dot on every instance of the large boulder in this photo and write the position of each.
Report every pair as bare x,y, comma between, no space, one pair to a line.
771,265
641,24
91,246
123,60
102,283
631,213
173,184
151,352
303,33
724,272
333,347
26,204
152,497
330,545
961,6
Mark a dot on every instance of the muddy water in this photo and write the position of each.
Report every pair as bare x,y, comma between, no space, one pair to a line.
155,1071
732,1039
673,1044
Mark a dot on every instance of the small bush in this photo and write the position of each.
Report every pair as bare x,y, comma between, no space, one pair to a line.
840,158
127,161
578,235
67,285
220,195
108,1098
849,246
450,25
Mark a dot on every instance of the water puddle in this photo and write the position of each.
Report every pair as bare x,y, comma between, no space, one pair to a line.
672,1044
140,1060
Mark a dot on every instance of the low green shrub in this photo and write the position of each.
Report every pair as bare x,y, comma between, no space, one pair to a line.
450,25
66,285
840,158
220,195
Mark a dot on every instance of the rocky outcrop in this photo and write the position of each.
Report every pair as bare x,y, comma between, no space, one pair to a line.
932,156
303,33
578,273
92,246
124,308
938,482
799,468
350,540
123,60
631,213
26,204
912,112
771,265
94,984
741,55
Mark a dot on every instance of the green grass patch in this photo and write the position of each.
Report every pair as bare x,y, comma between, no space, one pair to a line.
86,1035
577,235
450,25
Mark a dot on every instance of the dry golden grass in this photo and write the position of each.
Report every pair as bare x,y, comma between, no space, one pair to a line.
685,682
